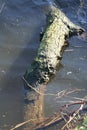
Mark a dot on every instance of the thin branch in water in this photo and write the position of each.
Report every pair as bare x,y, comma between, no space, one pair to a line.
64,116
72,117
77,47
31,86
76,98
69,50
37,91
23,123
67,92
2,7
74,103
59,94
52,120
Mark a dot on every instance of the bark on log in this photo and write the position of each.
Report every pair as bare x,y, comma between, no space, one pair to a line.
59,29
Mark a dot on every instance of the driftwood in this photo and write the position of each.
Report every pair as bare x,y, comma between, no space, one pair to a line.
53,43
54,39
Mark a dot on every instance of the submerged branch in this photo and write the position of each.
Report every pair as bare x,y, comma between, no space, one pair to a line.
59,116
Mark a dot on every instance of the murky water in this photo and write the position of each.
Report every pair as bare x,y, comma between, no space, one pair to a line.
20,24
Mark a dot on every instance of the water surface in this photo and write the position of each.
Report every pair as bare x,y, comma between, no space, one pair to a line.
20,25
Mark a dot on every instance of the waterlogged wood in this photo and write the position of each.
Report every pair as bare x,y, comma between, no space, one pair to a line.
53,42
59,29
34,108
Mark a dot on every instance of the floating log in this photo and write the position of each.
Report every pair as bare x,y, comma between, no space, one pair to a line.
53,42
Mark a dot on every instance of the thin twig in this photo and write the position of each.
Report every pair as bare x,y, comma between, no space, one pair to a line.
32,87
52,121
57,118
69,50
59,94
76,98
2,7
21,124
67,92
71,118
37,91
25,122
72,104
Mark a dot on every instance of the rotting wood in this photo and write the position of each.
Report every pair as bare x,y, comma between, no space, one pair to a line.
53,42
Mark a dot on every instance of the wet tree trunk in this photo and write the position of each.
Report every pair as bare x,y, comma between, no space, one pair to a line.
54,39
53,42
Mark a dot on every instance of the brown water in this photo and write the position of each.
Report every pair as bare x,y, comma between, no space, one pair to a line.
20,24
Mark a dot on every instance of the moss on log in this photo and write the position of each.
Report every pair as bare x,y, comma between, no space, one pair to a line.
59,29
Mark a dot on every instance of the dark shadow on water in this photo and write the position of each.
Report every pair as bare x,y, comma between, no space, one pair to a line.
19,44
